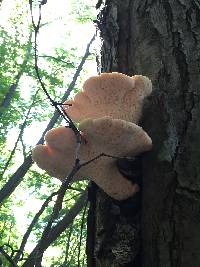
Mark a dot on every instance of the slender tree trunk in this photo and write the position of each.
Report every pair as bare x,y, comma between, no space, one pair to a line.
12,89
159,39
35,257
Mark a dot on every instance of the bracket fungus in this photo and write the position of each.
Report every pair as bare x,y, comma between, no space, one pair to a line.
110,94
108,109
115,137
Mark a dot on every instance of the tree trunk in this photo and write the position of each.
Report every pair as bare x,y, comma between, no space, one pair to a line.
12,89
159,39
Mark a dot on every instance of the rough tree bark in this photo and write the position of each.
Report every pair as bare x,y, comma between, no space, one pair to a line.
159,39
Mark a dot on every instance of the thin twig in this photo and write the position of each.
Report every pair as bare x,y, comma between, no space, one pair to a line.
58,204
61,111
7,256
55,104
104,155
68,239
56,59
75,189
23,147
17,177
81,235
61,192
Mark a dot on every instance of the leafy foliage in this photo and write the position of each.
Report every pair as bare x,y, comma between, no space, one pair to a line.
24,114
83,10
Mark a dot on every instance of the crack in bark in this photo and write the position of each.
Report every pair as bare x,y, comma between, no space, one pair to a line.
190,193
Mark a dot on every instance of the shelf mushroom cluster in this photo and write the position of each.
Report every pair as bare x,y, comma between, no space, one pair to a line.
108,109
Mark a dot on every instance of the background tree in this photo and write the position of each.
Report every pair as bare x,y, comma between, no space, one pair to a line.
25,116
159,39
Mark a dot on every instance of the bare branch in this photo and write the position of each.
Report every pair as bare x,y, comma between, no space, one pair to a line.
6,255
56,105
81,235
58,204
68,245
56,59
75,189
103,155
23,146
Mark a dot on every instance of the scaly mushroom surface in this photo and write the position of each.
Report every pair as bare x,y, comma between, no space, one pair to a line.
110,94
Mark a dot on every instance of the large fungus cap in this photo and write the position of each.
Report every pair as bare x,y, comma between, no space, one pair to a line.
110,94
115,137
104,135
57,156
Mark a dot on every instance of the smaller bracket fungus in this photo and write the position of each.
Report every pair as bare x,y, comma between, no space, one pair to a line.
110,94
113,137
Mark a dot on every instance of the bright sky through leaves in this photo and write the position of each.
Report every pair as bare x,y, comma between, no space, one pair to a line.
61,29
